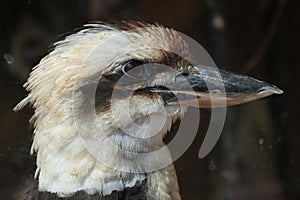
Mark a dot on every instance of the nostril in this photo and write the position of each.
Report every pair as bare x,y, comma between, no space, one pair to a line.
184,72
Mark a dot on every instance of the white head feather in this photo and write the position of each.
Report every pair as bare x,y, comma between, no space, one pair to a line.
64,165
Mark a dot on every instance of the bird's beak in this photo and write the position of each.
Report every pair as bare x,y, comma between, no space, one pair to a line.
207,87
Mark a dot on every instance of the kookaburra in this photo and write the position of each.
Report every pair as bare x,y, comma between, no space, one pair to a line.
72,92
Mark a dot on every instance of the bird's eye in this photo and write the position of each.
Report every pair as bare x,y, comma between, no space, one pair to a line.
134,69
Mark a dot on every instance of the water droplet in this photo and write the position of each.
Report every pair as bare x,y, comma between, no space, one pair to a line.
261,141
218,22
212,165
8,58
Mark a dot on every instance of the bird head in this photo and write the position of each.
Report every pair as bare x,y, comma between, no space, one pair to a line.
109,82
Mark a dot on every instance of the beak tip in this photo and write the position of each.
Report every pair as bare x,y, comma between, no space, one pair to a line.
271,89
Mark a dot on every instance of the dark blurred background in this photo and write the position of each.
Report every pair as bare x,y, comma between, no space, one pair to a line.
257,156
